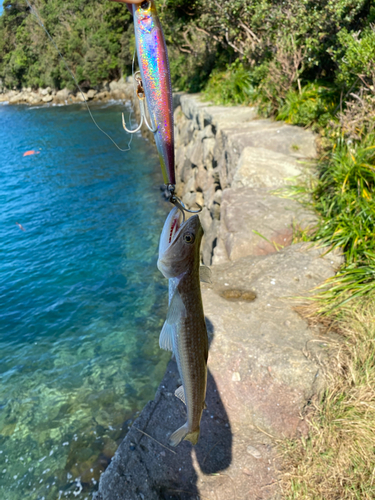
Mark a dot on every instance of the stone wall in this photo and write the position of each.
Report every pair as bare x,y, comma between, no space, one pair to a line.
231,162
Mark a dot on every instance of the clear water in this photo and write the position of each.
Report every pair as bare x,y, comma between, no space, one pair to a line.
81,299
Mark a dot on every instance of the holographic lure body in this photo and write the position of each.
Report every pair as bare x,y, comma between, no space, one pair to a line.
156,79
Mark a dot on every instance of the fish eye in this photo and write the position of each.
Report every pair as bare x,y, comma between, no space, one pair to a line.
189,238
145,5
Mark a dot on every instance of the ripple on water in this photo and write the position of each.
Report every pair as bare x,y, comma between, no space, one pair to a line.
82,302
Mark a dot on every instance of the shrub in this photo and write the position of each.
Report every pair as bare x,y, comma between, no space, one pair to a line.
233,86
313,106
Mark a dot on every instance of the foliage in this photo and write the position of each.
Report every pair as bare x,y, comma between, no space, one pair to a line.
355,58
344,199
88,33
313,106
233,86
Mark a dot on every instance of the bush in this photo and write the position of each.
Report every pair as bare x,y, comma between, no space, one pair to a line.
355,58
313,106
233,86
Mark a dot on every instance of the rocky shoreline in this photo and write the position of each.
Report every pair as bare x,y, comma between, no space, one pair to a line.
264,360
117,89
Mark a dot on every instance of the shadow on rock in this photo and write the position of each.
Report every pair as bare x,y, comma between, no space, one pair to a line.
145,467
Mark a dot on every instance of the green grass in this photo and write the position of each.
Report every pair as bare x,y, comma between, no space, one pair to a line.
343,197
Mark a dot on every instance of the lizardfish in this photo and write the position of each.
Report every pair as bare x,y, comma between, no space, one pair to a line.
156,79
184,331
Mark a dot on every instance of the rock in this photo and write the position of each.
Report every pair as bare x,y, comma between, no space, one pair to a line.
35,98
254,222
208,152
62,95
266,134
190,184
258,383
190,199
45,91
47,98
218,196
203,114
185,133
17,98
120,84
176,99
259,167
91,94
102,95
196,156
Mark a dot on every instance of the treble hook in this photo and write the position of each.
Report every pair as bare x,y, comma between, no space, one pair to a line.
141,96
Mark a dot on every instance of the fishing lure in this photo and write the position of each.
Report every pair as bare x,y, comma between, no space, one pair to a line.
156,82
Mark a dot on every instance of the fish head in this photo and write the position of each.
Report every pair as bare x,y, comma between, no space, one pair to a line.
179,248
145,15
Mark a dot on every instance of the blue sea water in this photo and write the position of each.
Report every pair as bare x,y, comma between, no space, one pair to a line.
81,299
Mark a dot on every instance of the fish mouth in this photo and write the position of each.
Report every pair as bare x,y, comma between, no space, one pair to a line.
171,230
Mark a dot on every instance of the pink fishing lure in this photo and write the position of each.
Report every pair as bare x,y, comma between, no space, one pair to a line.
156,78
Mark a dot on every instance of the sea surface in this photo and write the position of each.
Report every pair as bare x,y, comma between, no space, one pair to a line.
81,300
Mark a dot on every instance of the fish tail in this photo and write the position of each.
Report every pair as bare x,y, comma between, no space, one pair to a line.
193,436
183,433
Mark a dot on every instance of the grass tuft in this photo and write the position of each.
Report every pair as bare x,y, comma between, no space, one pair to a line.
337,459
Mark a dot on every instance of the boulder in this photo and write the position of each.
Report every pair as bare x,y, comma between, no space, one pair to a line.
62,95
81,96
91,94
18,98
255,222
277,137
259,167
47,98
102,96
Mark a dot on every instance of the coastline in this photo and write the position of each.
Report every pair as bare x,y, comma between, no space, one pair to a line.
116,89
264,358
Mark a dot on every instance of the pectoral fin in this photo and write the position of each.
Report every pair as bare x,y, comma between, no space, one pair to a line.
177,309
166,337
180,394
205,274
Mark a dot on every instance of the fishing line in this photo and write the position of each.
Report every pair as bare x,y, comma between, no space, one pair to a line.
40,22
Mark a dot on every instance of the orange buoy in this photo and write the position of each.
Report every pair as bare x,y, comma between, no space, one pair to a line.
31,152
